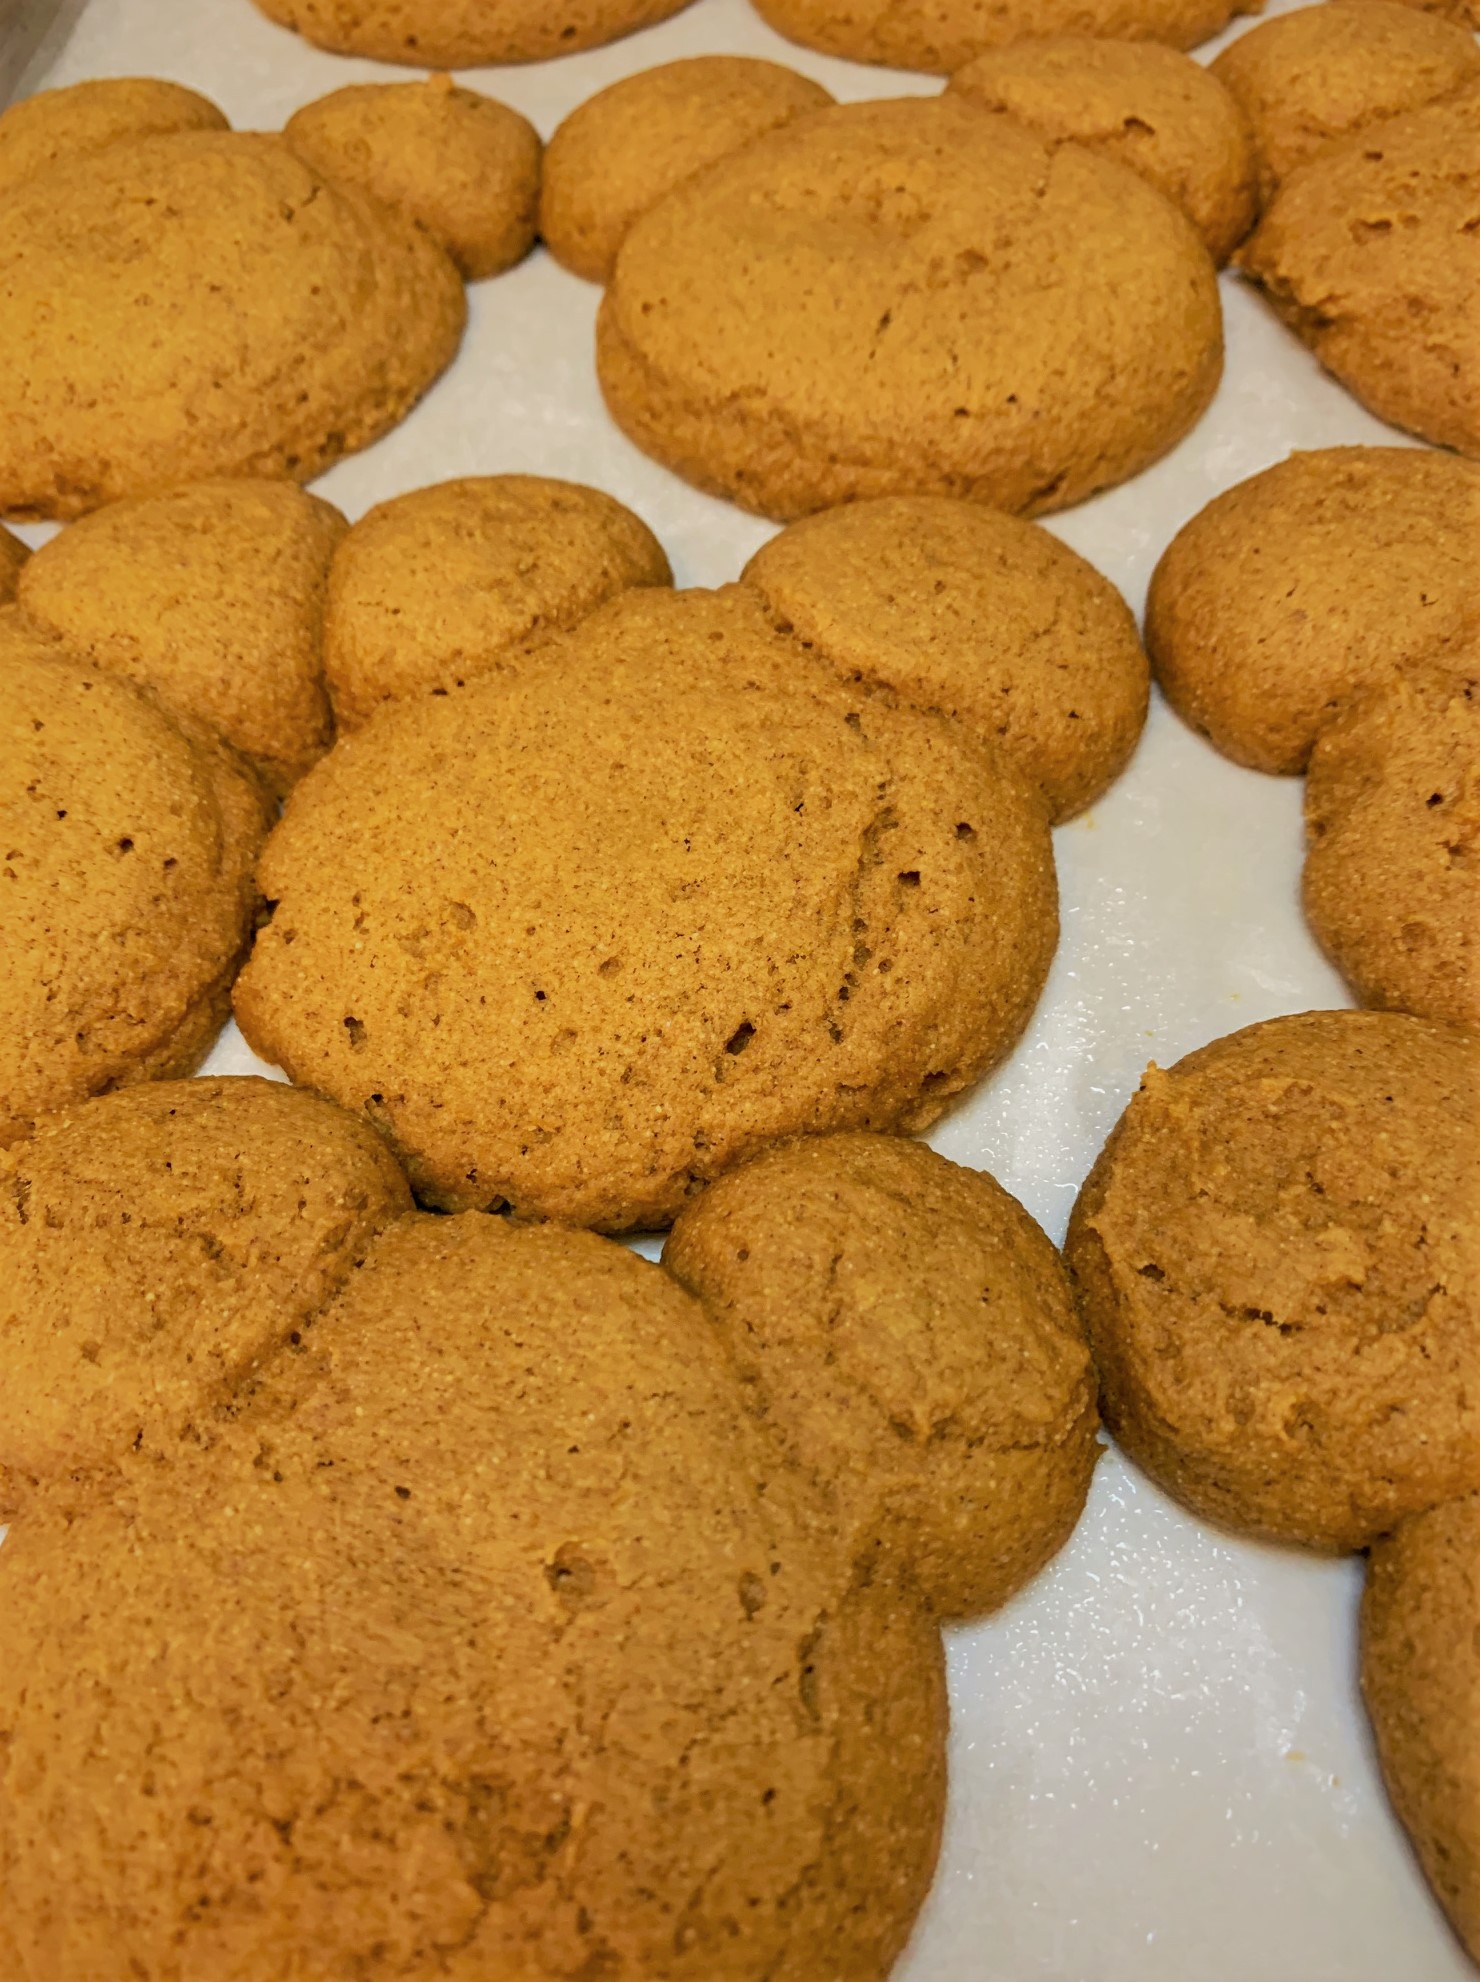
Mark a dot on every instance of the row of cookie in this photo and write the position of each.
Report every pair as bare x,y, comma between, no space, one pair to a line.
449,1596
1324,617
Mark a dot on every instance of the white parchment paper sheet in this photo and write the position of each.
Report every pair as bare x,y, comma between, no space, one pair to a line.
1159,1768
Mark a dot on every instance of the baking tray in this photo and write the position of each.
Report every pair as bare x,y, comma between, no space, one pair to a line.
1159,1767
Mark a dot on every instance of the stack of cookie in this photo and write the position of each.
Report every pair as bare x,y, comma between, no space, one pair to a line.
404,1579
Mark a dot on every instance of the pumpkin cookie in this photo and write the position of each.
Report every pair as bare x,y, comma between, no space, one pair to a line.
558,1671
61,126
941,35
461,34
1392,811
129,839
202,304
580,937
464,166
1421,1682
1308,78
1140,104
434,588
13,556
155,1245
1320,575
897,336
214,597
1370,252
618,153
981,616
908,1338
1276,1256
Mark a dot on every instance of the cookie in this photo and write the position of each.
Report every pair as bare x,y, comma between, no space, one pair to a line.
432,589
1392,813
580,937
204,304
908,1339
464,166
1466,12
213,596
1370,253
942,35
554,1674
459,34
129,838
155,1246
1421,1683
61,126
904,329
1276,1259
1140,104
13,556
1308,78
618,153
1307,582
975,614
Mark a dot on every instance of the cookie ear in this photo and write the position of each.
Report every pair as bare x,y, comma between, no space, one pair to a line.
61,126
155,1245
907,1338
465,168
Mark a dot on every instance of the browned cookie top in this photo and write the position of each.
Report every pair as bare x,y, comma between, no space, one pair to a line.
61,126
582,936
456,34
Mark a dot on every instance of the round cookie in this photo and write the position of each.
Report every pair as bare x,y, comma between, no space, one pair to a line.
13,556
461,34
62,126
889,283
580,938
1371,254
942,35
555,1674
155,1246
978,615
618,153
204,304
464,166
1276,1258
1140,104
908,1338
1392,813
128,843
214,597
434,588
1311,580
1421,1683
1308,78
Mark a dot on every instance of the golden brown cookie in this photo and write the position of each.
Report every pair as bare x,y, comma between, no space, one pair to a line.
459,34
204,304
1278,1263
618,153
62,126
907,1338
464,166
214,597
128,843
580,937
432,589
1392,867
1421,1683
1306,582
1466,12
495,1644
1140,104
942,35
874,300
975,614
155,1246
1371,253
1308,78
13,556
